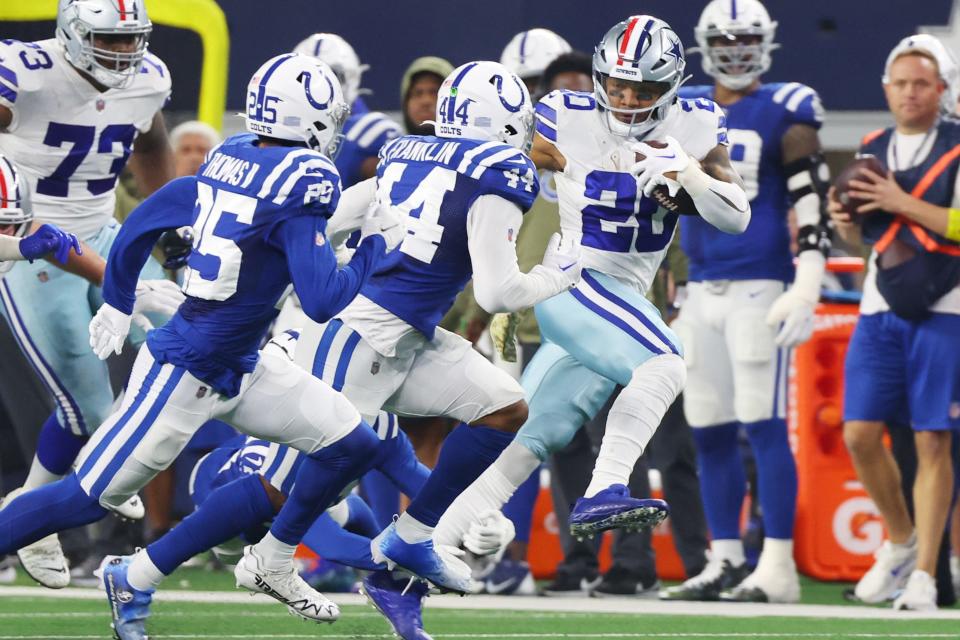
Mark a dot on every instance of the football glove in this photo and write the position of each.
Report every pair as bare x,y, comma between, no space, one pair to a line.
384,221
155,296
563,256
490,534
795,306
176,246
658,162
503,332
50,239
108,329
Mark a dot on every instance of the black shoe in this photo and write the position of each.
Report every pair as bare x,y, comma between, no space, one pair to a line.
621,582
707,585
568,584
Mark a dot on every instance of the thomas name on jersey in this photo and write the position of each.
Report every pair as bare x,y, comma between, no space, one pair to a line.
233,171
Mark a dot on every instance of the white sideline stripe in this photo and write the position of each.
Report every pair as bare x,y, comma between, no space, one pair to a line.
496,636
559,605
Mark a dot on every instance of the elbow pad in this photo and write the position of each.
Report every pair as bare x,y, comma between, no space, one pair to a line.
808,179
722,204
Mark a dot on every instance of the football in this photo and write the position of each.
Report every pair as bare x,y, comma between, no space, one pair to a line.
853,172
680,203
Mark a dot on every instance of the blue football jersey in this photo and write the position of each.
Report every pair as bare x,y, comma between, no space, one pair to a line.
238,269
363,136
756,124
434,181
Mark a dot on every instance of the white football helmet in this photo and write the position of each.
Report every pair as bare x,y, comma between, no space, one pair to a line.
947,63
297,98
15,208
341,57
530,52
79,22
735,64
485,101
639,49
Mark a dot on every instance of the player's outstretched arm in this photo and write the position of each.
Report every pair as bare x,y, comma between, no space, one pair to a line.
546,155
351,211
323,289
152,159
498,284
717,190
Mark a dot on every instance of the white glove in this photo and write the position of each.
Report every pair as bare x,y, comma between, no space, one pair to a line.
387,222
490,534
155,296
563,255
503,332
795,306
658,162
108,330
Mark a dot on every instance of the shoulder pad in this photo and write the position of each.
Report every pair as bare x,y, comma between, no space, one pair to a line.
371,130
156,71
707,114
305,178
557,101
503,171
22,66
801,104
695,91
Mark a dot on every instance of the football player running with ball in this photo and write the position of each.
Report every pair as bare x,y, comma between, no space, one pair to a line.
747,305
604,328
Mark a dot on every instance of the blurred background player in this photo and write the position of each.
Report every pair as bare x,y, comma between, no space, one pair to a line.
605,331
741,317
903,363
72,111
529,53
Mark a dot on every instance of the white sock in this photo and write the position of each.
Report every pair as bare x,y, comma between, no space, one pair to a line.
412,530
39,476
731,550
340,512
143,575
911,541
634,417
277,556
491,490
776,553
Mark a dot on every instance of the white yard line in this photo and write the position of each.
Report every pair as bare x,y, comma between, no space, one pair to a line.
532,604
517,636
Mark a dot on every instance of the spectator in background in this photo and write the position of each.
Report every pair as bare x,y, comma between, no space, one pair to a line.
903,362
191,142
418,93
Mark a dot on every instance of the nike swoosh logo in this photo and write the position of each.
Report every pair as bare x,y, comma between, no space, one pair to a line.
567,267
497,587
54,569
668,157
754,294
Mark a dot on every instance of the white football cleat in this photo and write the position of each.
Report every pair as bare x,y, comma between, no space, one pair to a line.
774,583
44,562
891,569
132,509
285,586
920,594
955,571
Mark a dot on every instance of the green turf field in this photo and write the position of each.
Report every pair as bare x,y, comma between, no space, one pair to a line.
47,616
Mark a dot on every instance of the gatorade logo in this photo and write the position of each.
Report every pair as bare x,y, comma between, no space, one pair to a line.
857,526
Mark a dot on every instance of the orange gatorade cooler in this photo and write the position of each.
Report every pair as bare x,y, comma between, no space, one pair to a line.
838,527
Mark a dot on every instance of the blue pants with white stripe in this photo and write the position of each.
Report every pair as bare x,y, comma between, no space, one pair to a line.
595,336
49,311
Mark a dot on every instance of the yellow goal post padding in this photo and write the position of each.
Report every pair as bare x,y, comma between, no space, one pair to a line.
201,16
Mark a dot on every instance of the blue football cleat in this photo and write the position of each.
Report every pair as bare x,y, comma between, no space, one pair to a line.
129,607
422,559
401,606
614,508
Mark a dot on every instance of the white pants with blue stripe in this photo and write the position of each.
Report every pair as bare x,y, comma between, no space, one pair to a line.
595,336
165,405
440,377
49,311
735,372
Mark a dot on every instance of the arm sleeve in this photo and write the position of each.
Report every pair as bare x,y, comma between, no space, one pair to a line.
323,289
10,248
170,207
498,284
351,211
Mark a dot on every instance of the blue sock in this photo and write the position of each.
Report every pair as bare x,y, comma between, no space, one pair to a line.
45,510
776,476
329,541
520,507
398,461
228,512
382,495
57,447
361,520
320,479
466,453
723,483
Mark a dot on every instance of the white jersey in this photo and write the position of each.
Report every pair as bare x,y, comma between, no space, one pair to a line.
623,233
70,140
